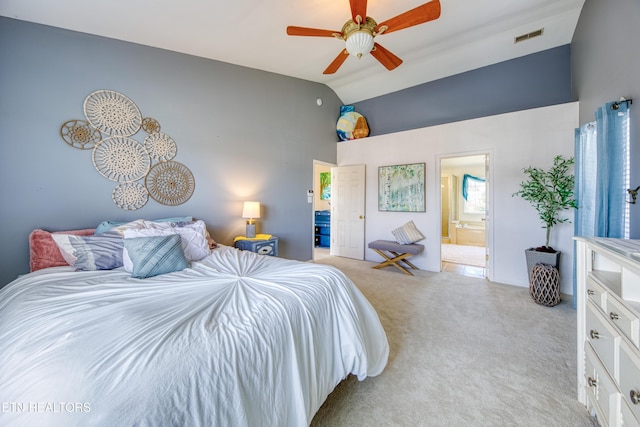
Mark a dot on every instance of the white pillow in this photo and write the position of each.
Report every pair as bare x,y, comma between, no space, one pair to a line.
193,236
407,234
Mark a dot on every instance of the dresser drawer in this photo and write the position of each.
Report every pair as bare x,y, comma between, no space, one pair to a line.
627,417
601,389
325,230
604,339
630,381
596,293
624,319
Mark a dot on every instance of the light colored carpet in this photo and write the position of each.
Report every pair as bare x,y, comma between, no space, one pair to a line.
463,254
463,352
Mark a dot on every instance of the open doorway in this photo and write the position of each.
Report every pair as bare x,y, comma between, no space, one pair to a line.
464,189
321,209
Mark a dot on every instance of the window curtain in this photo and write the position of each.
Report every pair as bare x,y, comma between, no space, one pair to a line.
602,175
465,183
585,180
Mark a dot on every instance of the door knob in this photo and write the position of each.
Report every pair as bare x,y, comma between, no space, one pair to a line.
360,217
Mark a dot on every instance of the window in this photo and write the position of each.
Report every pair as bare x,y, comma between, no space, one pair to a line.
626,170
474,193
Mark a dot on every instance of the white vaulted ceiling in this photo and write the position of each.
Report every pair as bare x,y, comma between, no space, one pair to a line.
469,34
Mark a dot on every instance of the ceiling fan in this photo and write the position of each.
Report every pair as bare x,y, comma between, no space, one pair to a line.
359,32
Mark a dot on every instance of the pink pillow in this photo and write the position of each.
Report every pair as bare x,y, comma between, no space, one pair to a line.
43,251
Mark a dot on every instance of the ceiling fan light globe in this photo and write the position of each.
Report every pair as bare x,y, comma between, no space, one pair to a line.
359,43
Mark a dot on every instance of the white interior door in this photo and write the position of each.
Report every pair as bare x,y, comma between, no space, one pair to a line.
347,211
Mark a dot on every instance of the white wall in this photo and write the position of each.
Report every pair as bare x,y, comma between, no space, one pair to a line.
513,141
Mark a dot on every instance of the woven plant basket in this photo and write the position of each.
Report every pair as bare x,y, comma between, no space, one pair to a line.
544,284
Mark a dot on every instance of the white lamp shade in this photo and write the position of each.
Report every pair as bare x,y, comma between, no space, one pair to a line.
359,43
251,210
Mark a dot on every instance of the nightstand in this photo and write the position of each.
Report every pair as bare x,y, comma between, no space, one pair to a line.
259,246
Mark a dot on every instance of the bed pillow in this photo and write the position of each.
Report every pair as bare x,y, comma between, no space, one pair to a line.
168,224
407,234
193,237
153,256
43,251
106,226
103,252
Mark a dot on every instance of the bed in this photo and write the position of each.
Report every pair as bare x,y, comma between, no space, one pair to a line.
235,339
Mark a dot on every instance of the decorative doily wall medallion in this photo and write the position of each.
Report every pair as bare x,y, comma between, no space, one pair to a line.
119,158
112,113
170,183
150,125
80,134
130,196
112,120
160,146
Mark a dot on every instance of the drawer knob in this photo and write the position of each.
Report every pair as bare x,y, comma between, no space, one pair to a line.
590,292
594,334
614,316
592,382
635,397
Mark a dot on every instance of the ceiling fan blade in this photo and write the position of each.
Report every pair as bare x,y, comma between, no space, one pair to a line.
333,67
314,32
386,58
421,14
358,8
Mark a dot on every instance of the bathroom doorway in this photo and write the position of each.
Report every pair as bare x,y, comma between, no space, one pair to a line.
321,209
464,184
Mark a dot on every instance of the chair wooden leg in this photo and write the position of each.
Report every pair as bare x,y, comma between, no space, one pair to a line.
405,260
394,261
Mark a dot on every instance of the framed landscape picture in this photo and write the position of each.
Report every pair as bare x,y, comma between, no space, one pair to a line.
401,188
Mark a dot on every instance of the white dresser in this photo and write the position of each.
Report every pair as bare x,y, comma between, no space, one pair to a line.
608,313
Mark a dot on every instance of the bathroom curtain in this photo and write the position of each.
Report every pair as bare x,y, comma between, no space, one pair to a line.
465,184
602,175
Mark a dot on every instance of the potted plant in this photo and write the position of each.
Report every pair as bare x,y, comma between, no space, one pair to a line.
550,192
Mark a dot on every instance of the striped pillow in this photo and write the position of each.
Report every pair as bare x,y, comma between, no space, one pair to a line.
152,256
102,252
407,234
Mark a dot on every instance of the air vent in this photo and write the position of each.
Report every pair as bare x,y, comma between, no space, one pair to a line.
528,36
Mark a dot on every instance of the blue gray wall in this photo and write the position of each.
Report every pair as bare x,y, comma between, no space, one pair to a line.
244,134
531,81
606,65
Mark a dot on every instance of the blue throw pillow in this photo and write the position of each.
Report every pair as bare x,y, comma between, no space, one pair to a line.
152,256
102,252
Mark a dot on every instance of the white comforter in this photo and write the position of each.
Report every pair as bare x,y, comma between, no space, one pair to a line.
238,339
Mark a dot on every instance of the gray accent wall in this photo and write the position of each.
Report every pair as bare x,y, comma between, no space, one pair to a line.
605,66
531,81
244,134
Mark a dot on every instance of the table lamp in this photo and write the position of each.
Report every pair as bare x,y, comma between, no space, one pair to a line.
251,210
